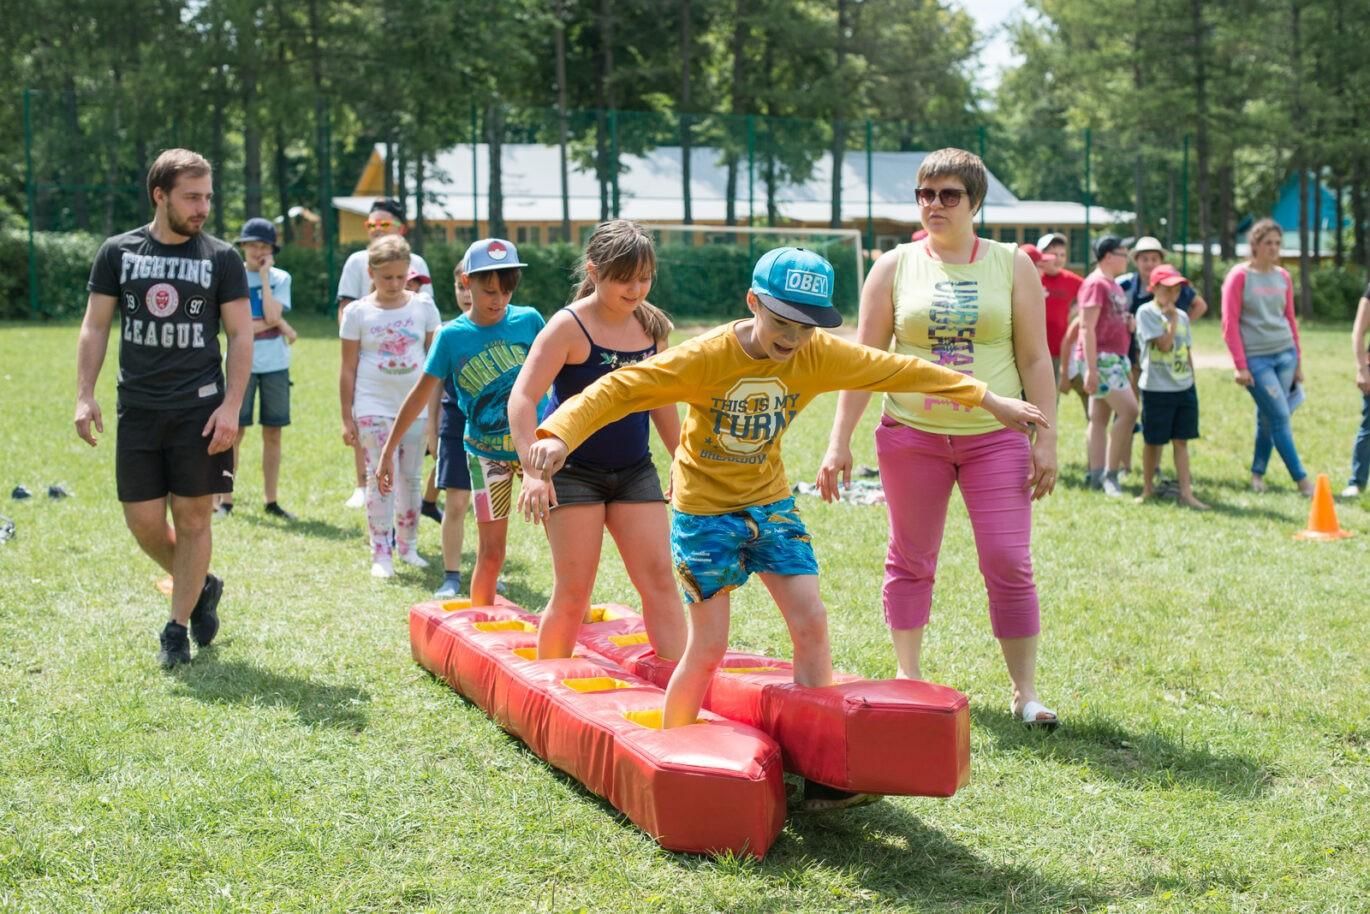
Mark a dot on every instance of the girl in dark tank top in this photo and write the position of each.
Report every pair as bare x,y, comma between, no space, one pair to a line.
609,482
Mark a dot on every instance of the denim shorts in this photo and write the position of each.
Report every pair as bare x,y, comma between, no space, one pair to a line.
275,389
716,553
578,484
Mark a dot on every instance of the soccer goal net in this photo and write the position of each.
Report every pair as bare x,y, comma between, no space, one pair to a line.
707,269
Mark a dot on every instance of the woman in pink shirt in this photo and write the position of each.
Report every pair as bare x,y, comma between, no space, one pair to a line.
1263,337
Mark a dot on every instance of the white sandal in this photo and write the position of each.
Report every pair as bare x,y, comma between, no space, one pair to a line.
1031,716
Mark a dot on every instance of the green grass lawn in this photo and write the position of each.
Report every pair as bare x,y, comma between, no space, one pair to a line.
1211,673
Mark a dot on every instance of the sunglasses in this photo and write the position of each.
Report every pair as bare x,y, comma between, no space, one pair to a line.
947,196
379,223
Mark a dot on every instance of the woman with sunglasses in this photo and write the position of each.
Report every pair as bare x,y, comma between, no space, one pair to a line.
976,306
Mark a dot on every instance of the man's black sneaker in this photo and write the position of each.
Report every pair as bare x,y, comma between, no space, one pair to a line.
204,618
430,510
275,510
175,645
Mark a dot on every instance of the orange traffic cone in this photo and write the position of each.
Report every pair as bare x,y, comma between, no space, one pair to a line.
1322,515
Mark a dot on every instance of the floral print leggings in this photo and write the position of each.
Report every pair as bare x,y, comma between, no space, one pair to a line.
400,509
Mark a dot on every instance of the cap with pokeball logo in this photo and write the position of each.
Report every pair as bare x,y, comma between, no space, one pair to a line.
491,254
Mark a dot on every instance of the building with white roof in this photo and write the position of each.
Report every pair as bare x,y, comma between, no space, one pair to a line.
456,197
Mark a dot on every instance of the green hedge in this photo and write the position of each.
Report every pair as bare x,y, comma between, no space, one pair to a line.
693,282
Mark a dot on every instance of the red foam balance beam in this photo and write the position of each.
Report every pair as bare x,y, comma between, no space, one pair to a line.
890,736
709,788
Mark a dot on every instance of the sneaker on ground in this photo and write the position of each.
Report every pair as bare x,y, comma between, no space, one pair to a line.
431,511
451,587
223,509
1111,487
382,568
1351,491
175,645
204,618
412,557
275,510
358,499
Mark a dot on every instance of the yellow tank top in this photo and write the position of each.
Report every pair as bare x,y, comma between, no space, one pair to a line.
960,316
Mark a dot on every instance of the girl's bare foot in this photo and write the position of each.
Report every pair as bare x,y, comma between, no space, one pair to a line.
1144,498
1257,483
1193,502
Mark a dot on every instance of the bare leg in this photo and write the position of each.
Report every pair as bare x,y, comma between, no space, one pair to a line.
227,497
190,563
454,527
807,619
908,649
271,462
491,540
147,522
1020,656
1182,476
1124,405
1097,436
1151,459
576,535
642,531
708,642
430,488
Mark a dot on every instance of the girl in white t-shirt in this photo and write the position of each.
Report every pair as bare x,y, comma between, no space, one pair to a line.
385,339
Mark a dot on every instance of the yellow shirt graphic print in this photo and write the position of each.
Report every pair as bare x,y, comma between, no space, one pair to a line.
748,419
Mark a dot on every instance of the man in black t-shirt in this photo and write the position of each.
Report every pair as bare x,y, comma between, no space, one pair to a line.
173,288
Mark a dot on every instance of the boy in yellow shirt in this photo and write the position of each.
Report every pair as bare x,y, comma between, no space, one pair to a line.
744,383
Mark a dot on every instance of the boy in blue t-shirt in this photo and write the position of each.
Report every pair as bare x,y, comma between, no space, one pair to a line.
268,290
481,353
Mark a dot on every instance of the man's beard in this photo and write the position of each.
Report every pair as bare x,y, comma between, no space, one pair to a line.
187,228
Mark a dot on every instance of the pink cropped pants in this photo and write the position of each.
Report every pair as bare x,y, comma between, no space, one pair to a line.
918,470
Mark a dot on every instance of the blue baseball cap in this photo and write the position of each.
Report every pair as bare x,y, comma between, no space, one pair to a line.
797,285
491,254
259,229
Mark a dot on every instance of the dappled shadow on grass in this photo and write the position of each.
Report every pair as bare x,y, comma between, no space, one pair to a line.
301,525
890,851
1144,759
215,681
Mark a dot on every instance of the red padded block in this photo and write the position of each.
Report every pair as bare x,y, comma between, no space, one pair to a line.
872,736
708,788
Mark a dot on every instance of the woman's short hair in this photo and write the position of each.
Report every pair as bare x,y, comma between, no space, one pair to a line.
958,163
1263,229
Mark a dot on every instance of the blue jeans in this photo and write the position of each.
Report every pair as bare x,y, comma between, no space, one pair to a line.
1360,452
1271,378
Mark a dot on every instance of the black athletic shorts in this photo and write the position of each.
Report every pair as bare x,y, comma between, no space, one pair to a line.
453,472
578,484
275,390
1169,415
161,451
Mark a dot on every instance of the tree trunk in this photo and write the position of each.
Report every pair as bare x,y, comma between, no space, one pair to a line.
1305,279
1172,213
1358,214
768,168
282,170
1197,27
739,103
402,176
75,170
252,146
839,125
606,103
1227,209
1317,215
420,227
562,130
388,181
1338,222
1138,174
216,152
687,215
494,126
